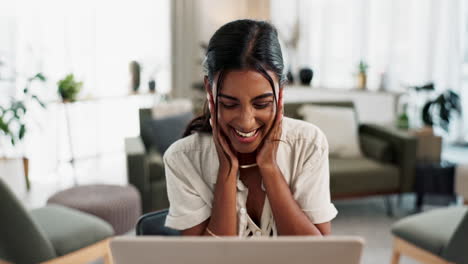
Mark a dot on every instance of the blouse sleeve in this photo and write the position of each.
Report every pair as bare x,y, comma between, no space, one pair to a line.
185,189
311,187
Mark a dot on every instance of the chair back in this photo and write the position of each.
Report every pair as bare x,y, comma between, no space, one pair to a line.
21,239
152,224
455,251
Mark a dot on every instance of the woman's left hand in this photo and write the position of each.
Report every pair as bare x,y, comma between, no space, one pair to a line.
266,153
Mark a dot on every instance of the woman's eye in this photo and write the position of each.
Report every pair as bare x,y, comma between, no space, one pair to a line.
228,106
262,105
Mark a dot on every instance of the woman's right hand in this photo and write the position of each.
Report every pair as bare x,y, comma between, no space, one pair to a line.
228,162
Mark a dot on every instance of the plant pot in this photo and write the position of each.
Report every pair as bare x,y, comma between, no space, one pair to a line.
362,81
26,173
306,75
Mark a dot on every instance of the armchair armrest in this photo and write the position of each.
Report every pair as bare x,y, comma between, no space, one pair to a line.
137,168
404,151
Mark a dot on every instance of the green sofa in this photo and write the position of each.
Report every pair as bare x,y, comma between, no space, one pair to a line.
387,168
388,165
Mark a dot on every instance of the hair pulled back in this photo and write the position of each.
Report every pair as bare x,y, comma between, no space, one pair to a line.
239,45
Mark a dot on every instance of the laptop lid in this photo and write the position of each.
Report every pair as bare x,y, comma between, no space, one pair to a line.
261,250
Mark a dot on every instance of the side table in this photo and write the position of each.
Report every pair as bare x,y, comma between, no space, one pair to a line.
434,178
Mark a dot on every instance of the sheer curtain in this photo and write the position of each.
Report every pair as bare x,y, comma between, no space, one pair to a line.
412,41
96,40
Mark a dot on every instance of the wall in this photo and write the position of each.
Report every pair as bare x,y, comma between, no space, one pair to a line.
193,23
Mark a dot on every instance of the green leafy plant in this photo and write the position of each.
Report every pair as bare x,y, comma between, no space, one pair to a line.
440,111
69,88
12,117
363,66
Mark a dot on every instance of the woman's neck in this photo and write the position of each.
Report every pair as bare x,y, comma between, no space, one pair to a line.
247,158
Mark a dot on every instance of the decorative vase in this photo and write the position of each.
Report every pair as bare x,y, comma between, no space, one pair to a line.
152,86
290,77
306,75
135,70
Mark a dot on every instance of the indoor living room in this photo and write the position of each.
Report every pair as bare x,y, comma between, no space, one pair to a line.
93,93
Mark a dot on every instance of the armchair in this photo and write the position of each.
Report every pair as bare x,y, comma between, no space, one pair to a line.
51,234
437,236
145,168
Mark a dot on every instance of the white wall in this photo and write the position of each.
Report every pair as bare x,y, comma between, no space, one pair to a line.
194,22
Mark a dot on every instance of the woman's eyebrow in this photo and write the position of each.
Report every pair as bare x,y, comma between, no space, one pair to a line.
256,97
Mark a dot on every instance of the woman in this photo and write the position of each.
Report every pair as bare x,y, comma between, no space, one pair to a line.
242,169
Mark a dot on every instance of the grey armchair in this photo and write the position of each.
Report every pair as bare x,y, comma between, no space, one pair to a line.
387,166
145,168
437,236
51,234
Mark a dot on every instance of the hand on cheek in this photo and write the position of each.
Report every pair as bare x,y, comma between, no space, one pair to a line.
266,154
227,159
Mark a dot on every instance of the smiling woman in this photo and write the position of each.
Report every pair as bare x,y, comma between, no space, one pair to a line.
241,168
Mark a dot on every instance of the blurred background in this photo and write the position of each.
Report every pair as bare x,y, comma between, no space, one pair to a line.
127,55
83,83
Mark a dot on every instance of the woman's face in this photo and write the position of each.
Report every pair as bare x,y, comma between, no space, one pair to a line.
246,108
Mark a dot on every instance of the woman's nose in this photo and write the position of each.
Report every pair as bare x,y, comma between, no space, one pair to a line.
247,119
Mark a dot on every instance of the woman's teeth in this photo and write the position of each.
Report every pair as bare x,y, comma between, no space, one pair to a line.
250,134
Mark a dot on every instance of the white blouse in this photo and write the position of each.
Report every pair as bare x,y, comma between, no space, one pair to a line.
192,164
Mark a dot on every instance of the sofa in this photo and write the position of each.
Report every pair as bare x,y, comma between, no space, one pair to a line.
387,165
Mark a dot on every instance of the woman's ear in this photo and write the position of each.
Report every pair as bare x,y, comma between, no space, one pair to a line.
207,84
209,92
280,97
208,89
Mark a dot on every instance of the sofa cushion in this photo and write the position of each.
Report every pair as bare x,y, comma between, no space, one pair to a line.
376,148
361,175
166,131
340,126
69,229
430,230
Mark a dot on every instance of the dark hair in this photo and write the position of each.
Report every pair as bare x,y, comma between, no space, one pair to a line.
239,45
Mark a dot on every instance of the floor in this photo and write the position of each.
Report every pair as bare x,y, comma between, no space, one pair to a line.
361,217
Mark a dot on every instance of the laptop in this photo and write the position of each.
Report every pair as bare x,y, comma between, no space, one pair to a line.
261,250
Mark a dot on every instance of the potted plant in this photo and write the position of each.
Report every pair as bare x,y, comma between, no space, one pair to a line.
12,118
362,74
440,111
68,88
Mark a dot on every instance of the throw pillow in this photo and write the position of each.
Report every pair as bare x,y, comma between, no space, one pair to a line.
166,131
339,125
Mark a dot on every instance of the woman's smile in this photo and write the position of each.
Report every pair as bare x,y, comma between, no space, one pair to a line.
246,138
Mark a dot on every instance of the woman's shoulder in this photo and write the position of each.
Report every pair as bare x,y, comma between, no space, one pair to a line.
195,143
297,131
